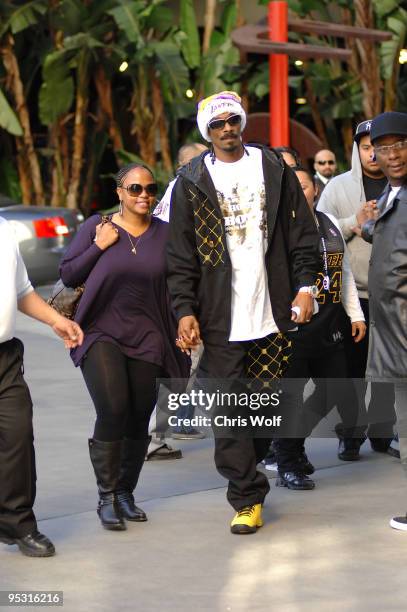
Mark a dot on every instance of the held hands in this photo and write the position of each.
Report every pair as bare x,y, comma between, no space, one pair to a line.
106,235
358,330
302,307
69,331
189,336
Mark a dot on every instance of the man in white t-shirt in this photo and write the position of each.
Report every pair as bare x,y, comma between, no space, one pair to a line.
17,459
242,260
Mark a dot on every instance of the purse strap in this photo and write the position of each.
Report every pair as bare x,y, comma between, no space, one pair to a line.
106,218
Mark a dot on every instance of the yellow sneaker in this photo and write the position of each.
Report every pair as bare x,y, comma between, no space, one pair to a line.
247,520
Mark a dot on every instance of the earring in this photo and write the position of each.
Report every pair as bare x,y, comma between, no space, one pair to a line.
121,208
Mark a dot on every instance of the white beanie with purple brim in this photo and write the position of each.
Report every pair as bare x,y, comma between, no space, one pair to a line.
223,102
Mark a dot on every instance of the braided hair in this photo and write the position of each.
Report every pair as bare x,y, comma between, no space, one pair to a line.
123,172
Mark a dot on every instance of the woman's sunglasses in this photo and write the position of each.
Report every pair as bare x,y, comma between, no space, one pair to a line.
135,189
219,124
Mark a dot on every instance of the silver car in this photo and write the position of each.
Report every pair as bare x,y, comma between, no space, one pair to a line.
43,234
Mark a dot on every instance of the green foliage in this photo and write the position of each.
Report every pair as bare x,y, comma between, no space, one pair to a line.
223,58
384,7
390,49
172,70
9,180
57,88
190,45
126,15
24,16
8,119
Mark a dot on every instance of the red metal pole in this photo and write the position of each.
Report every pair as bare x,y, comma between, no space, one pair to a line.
279,102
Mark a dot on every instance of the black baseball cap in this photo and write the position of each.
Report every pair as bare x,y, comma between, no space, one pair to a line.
362,129
389,124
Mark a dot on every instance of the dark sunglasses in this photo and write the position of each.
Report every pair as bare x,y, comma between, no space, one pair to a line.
328,161
219,124
135,189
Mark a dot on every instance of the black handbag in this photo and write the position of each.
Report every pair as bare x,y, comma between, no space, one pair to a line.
65,300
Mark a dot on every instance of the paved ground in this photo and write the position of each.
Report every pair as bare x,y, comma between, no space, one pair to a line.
327,549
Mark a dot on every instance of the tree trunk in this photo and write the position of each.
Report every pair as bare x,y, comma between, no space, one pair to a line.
159,112
23,173
104,89
144,122
209,20
369,72
58,191
315,112
64,150
97,145
347,136
16,87
79,135
240,21
353,63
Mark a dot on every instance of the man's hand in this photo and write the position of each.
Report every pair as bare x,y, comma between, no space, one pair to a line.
305,303
34,306
366,212
69,331
358,330
106,235
189,336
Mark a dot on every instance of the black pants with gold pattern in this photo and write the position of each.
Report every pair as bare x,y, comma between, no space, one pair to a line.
236,458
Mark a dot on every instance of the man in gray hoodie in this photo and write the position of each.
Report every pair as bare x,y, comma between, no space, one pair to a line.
349,197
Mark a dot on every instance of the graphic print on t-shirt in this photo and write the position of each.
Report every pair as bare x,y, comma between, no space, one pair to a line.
243,210
242,199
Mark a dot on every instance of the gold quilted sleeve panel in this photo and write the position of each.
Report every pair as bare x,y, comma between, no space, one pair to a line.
209,230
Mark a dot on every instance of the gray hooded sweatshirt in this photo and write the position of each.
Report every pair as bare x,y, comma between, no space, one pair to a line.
342,198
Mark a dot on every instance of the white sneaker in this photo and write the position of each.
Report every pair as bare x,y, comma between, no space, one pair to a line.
399,522
273,467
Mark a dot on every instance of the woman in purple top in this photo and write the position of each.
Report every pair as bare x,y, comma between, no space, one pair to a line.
130,333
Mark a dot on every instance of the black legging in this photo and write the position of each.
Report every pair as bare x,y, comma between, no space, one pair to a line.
123,390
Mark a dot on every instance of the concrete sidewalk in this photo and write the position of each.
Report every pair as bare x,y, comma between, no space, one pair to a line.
327,549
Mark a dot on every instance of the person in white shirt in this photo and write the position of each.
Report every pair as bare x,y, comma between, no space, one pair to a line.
159,448
242,261
185,154
17,460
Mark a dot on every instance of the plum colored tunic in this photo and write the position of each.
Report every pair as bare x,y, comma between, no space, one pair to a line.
126,301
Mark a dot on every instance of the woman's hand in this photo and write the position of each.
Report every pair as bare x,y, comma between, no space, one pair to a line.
106,235
358,330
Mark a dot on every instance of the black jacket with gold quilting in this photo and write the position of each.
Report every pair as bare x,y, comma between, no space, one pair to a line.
200,275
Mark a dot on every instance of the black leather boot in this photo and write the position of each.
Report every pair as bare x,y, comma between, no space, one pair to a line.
296,481
34,544
350,441
133,454
105,458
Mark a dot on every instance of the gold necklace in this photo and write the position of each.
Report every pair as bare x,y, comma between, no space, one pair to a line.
134,245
